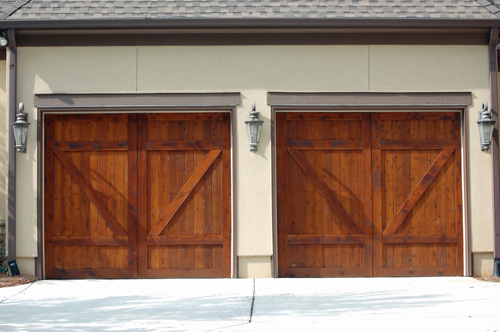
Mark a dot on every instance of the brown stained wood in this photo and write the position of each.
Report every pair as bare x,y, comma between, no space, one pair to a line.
187,273
417,116
170,145
198,236
418,239
417,272
398,152
88,241
292,116
225,196
325,239
186,240
50,201
459,259
326,192
184,192
91,146
77,243
325,272
108,217
418,191
100,273
132,195
419,144
143,254
366,196
322,144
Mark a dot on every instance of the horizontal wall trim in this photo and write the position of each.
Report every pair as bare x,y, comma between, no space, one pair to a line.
370,99
136,100
229,23
117,38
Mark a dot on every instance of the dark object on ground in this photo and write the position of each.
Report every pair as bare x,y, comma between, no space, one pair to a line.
14,269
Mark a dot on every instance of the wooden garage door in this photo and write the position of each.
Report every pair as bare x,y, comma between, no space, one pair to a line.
131,195
363,194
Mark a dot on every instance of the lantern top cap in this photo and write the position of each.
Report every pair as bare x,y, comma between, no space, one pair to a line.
485,106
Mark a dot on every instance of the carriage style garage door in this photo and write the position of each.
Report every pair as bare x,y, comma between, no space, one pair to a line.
137,195
369,194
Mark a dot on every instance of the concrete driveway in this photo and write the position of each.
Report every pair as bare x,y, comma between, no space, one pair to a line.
353,304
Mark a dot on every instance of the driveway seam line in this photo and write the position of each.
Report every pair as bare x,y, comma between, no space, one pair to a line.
20,292
253,302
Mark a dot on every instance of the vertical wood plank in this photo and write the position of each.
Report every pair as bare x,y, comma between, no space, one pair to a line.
132,195
50,197
366,194
145,254
459,251
226,194
378,227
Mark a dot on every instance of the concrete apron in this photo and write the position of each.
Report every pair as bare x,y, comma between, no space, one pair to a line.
352,304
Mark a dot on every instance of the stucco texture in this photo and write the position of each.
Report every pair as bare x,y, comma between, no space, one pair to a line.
253,71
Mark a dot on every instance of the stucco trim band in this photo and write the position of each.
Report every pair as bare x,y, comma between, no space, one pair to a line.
137,100
371,99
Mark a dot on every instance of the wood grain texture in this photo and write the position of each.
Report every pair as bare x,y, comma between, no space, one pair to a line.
364,194
184,192
113,179
333,203
87,190
418,191
188,202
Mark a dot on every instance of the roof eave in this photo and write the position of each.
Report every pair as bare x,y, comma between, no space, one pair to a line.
264,23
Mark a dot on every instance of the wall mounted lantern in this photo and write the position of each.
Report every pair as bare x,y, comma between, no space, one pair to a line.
254,127
21,129
485,124
3,40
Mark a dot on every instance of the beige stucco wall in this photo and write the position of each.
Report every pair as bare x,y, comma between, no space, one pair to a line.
253,71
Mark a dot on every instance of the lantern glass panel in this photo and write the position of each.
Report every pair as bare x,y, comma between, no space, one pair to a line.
253,129
21,135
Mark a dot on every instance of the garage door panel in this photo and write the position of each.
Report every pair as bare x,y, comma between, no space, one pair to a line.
320,197
188,195
421,195
85,256
186,261
110,179
391,179
86,195
341,199
326,256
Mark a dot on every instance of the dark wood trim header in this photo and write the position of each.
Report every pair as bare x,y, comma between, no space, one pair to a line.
151,38
232,23
370,99
136,100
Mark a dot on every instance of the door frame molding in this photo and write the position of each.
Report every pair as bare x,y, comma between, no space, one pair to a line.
132,103
374,102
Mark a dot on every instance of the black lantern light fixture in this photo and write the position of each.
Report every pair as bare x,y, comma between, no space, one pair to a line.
485,123
21,129
254,127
